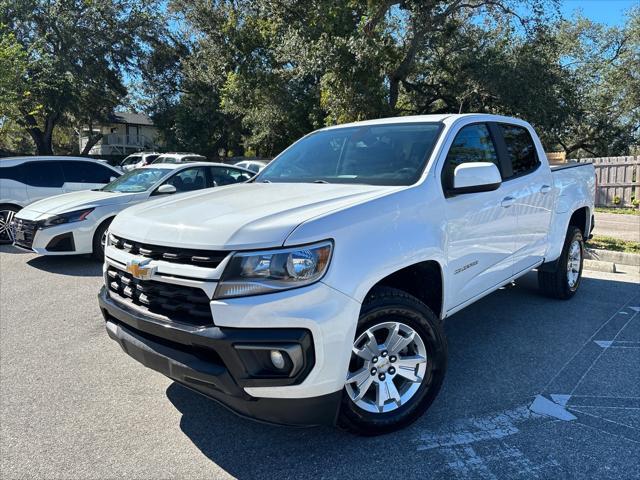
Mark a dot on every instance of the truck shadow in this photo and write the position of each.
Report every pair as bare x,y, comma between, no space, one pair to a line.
76,266
502,351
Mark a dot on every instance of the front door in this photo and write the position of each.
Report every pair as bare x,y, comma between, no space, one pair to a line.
481,227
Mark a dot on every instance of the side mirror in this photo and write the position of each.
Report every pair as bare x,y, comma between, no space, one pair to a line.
476,177
111,179
166,189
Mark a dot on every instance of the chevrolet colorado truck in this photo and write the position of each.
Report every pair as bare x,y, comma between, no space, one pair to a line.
316,292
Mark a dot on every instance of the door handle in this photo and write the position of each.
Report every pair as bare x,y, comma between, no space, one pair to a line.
507,202
545,189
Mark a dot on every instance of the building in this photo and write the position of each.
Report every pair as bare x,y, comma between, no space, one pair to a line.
122,134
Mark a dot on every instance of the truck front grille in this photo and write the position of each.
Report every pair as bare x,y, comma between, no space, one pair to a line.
24,231
200,258
174,303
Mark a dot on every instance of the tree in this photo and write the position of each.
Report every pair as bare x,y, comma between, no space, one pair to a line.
70,58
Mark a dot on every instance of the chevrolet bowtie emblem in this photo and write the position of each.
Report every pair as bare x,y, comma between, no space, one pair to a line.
140,269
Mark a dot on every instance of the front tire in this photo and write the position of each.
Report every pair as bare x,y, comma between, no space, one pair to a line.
100,239
563,281
397,366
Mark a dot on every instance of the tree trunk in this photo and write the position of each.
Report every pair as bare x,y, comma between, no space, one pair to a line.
43,143
91,141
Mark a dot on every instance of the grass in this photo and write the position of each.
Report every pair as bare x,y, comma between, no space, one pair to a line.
613,244
621,211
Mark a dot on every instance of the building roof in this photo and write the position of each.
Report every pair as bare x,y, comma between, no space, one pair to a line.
131,118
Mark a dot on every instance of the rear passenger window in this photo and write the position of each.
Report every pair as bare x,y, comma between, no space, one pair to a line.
43,174
521,149
473,143
86,172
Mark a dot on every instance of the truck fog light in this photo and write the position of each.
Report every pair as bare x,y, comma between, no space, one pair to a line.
277,359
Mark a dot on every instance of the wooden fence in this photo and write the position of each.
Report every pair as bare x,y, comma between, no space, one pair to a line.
617,181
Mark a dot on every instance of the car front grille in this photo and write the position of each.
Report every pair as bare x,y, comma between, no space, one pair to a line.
200,258
23,232
173,303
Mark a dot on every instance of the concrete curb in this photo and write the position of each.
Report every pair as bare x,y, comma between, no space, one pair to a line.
598,266
622,258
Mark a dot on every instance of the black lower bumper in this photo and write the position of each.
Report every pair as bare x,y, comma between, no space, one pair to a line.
211,361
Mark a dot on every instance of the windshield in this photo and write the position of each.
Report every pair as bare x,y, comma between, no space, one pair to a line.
136,181
374,154
163,159
131,160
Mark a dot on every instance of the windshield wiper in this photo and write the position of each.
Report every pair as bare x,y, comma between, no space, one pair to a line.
320,181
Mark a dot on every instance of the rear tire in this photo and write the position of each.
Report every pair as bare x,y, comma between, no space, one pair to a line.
99,240
564,280
7,212
395,386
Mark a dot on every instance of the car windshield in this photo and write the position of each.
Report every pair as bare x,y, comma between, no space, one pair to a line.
392,154
131,160
167,159
136,181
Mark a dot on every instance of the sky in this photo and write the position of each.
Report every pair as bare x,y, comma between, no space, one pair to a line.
610,12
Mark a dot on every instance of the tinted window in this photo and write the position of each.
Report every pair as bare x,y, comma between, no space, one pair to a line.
86,172
131,160
373,154
520,147
189,180
473,143
226,176
163,159
43,174
150,158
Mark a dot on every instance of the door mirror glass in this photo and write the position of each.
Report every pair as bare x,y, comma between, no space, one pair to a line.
476,177
166,189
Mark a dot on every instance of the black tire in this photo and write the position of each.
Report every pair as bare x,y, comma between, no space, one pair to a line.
386,304
556,283
98,248
6,215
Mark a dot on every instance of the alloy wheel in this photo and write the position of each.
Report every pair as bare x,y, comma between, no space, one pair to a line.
573,263
388,365
6,229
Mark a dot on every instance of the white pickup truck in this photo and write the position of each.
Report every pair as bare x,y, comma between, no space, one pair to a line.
316,292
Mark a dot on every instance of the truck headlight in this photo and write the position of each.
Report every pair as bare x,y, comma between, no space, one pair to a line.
69,217
253,273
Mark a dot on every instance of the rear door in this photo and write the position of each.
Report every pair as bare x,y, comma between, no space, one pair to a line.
43,179
79,175
530,183
481,227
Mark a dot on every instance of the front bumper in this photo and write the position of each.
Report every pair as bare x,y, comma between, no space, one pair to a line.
65,239
207,360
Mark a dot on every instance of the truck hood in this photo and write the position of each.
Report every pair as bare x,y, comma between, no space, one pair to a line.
244,216
69,202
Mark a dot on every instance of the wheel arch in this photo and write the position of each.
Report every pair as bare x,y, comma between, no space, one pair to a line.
424,280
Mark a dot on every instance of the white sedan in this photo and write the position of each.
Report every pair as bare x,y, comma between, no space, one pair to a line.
76,223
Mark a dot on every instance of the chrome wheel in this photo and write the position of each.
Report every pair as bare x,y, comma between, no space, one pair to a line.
6,230
388,365
573,263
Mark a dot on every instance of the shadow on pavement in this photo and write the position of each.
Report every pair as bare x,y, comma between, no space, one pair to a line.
6,248
77,265
503,350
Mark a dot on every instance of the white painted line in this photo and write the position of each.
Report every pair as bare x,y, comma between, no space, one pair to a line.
544,406
560,399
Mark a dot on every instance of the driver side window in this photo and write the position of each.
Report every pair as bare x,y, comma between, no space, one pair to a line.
189,180
473,143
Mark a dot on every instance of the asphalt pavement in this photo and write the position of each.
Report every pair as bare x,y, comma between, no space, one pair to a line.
616,225
535,388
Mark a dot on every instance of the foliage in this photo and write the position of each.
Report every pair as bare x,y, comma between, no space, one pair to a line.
69,57
613,244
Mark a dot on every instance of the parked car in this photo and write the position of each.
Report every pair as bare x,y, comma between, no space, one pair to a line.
318,290
179,158
137,160
24,180
253,165
76,223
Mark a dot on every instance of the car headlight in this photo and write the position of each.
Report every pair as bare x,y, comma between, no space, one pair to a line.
253,273
69,217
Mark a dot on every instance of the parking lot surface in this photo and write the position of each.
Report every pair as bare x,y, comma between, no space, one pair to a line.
535,388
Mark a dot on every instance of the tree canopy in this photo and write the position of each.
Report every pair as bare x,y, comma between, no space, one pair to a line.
251,76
